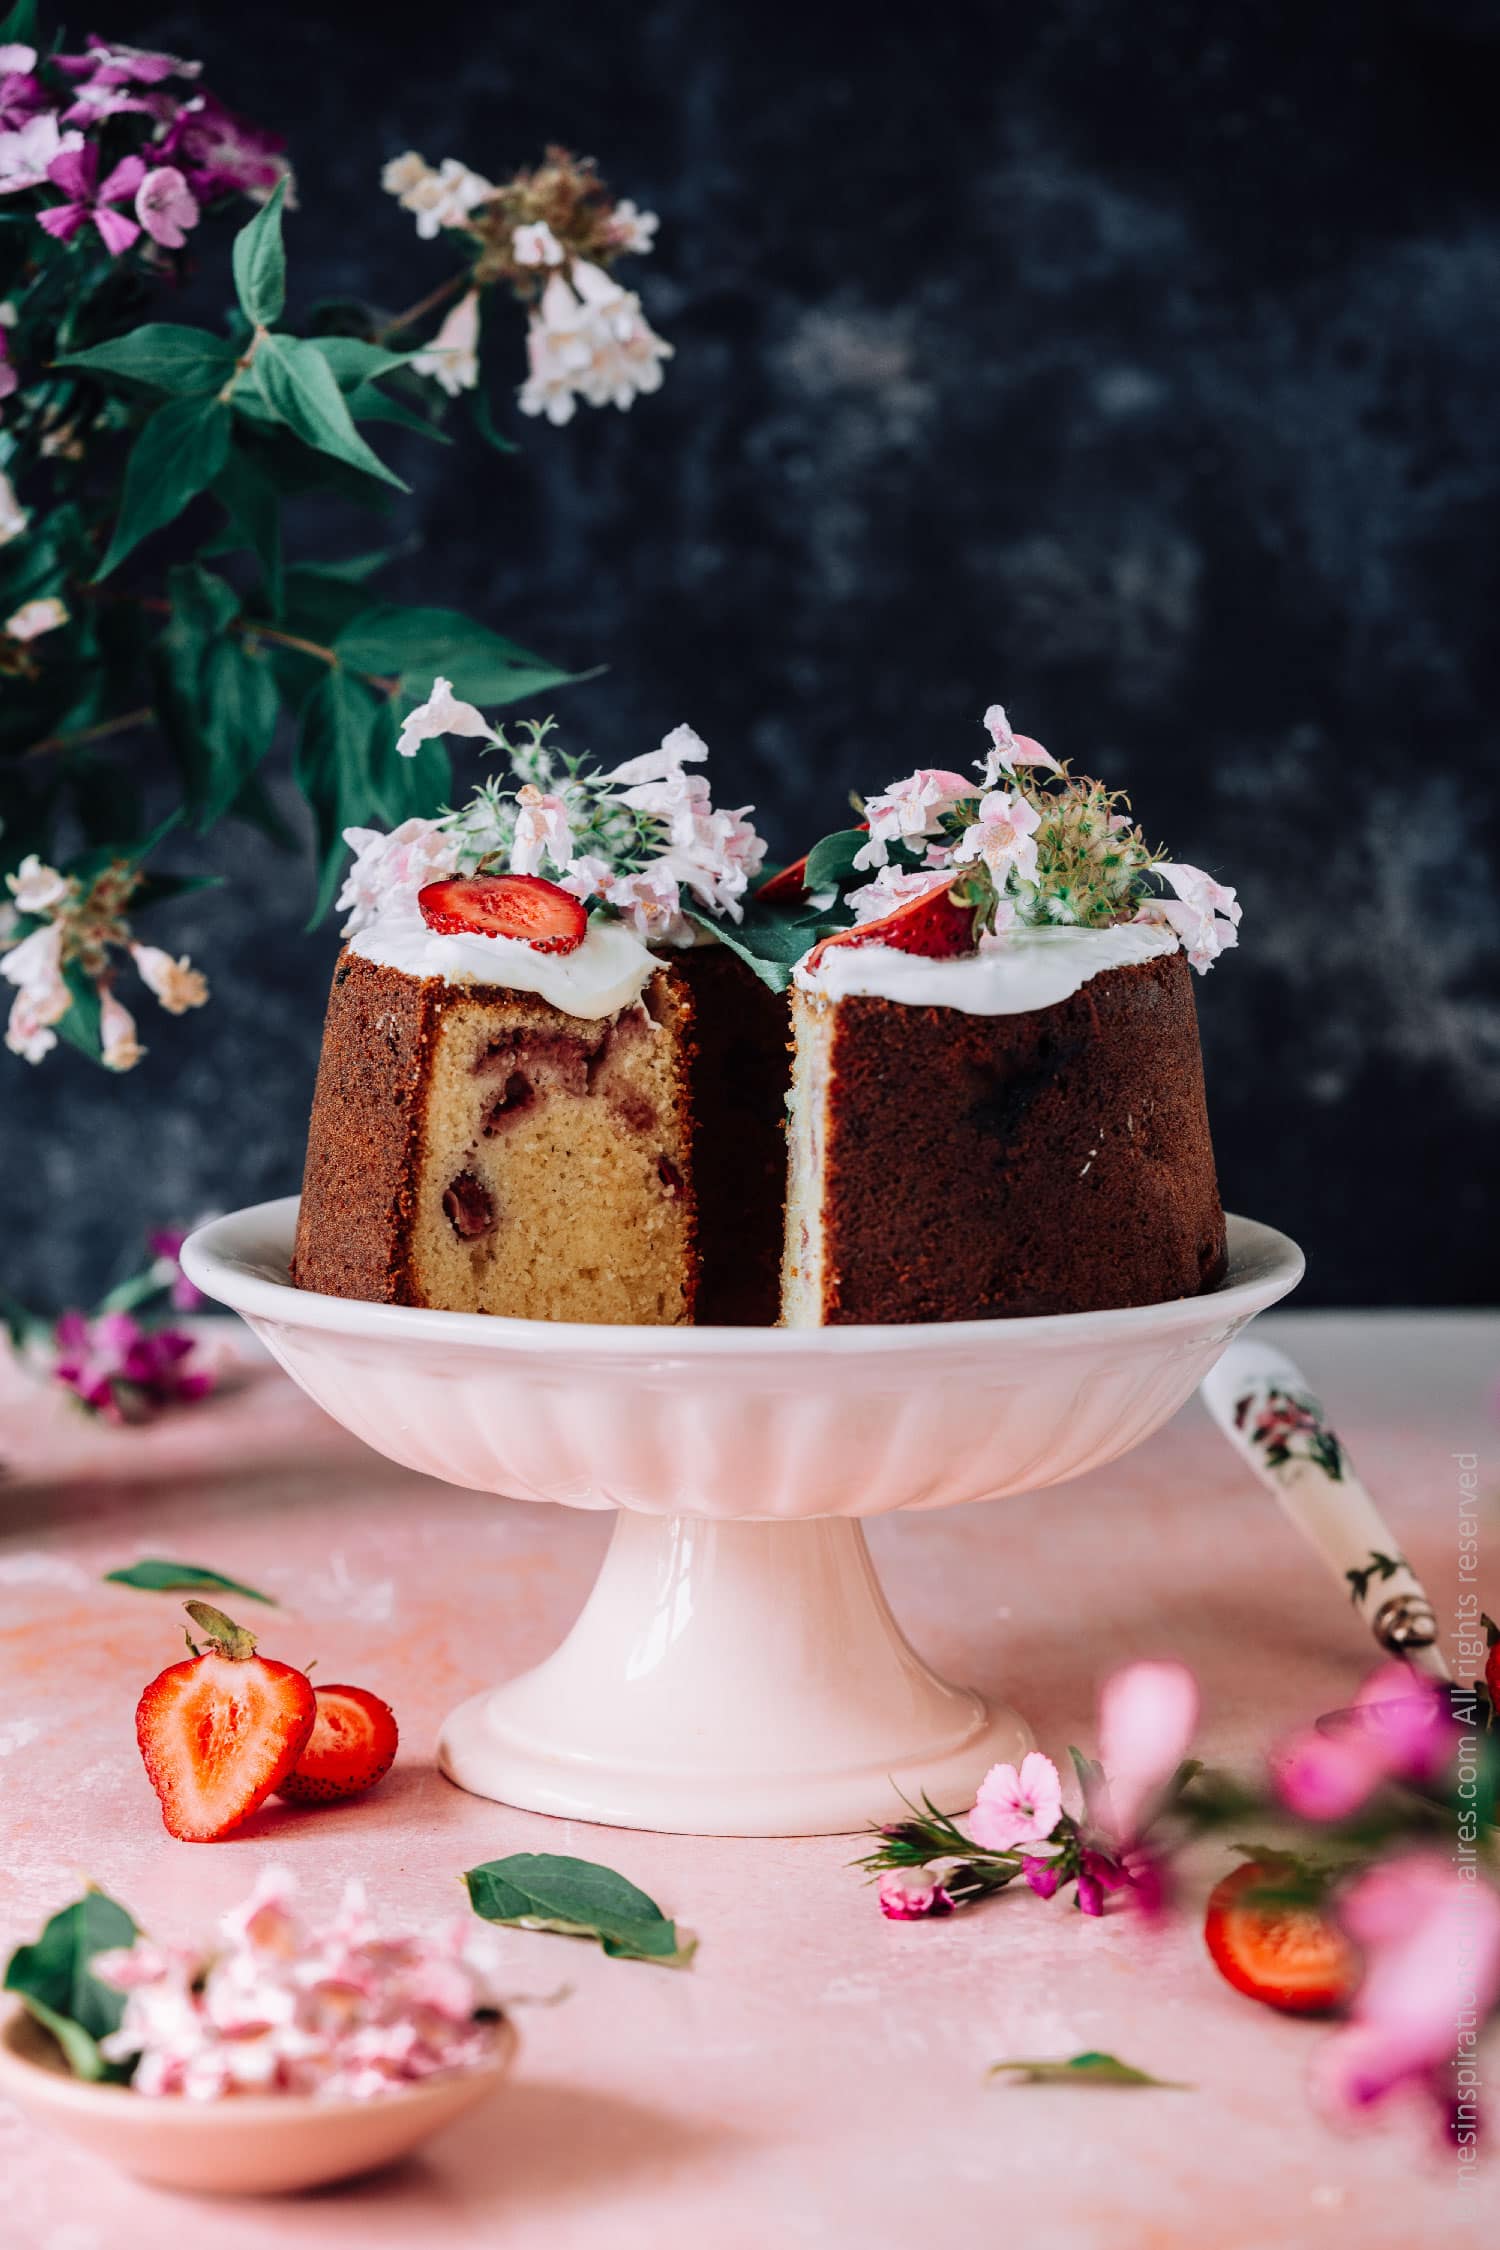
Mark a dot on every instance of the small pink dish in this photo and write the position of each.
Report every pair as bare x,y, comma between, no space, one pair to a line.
250,2145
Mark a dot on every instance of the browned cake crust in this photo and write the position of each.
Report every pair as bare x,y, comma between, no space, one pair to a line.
979,1167
739,1078
356,1228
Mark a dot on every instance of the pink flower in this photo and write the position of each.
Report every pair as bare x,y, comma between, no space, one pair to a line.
910,808
222,154
912,1896
442,713
76,172
1017,1806
166,206
1042,1875
1010,750
27,153
1004,837
1430,1936
389,869
542,832
1098,1873
1147,1713
165,1245
22,95
892,887
1404,1731
120,1371
1205,914
112,63
9,381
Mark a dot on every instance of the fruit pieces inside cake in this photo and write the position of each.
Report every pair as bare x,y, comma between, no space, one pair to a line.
997,1101
518,1064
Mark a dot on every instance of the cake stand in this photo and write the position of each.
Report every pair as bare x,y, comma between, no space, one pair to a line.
736,1670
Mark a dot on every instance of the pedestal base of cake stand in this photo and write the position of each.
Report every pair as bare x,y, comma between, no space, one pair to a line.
730,1678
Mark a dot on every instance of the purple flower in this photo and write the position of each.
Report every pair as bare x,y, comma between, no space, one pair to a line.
165,1245
1098,1874
222,154
1043,1875
166,206
912,1897
22,95
1401,1728
104,63
123,1372
76,172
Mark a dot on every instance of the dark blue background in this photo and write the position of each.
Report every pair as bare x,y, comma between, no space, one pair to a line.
1134,364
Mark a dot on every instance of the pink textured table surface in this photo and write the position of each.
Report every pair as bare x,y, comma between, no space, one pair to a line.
817,2078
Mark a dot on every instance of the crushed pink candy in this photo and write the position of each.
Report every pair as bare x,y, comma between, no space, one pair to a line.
286,2005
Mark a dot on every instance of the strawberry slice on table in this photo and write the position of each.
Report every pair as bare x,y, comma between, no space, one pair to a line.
934,924
221,1730
351,1746
527,907
1288,1954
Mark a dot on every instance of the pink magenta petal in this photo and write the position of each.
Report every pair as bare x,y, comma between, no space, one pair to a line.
123,180
75,170
1147,1713
118,231
62,221
1325,1777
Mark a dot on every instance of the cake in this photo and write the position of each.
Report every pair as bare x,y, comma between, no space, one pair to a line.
555,1099
997,1102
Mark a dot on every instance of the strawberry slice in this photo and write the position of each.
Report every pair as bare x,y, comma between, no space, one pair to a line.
221,1730
1291,1956
515,906
351,1746
935,924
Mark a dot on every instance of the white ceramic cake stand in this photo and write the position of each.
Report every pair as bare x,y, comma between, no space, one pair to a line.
735,1671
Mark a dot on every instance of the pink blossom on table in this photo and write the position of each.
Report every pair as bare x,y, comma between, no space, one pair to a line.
35,887
76,172
1430,1937
912,1895
165,1245
389,867
222,154
110,62
120,1049
28,153
536,245
893,887
1003,836
1040,1875
1147,1714
909,809
176,984
452,358
336,2008
123,1372
1017,1805
633,229
166,206
1403,1730
442,713
543,832
1204,914
1008,750
1099,1873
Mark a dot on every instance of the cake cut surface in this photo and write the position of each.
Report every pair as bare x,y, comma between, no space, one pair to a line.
480,1150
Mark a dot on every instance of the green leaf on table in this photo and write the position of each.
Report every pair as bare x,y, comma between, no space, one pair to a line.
1090,2069
332,768
298,385
53,1978
577,1898
154,1576
181,449
260,263
421,644
184,361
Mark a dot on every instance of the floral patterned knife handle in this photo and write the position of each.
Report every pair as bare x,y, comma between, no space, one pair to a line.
1262,1403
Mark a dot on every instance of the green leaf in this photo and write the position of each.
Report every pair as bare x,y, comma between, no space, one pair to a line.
1091,2069
215,698
153,1576
368,404
184,361
577,1898
260,263
297,384
774,968
20,25
332,767
239,720
254,508
830,864
80,1026
353,361
181,449
54,1980
354,569
420,644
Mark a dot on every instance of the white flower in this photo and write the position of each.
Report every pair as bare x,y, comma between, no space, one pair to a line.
16,57
13,517
1204,914
35,966
25,1034
892,887
542,832
35,887
1004,837
387,868
452,358
587,876
122,1049
26,153
176,984
634,230
649,901
910,808
590,341
402,173
442,713
536,245
1011,750
32,619
683,745
437,199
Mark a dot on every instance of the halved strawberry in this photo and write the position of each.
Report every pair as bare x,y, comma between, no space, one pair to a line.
1291,1956
936,924
351,1745
515,906
221,1730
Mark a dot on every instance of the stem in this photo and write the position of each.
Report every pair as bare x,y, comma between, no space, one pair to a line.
423,306
95,733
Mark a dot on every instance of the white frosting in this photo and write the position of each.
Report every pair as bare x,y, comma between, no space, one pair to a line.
1026,969
608,972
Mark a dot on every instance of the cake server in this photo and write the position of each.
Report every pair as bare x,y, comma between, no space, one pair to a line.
1271,1416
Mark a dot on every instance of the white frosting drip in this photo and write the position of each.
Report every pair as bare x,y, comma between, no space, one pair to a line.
608,972
1026,969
